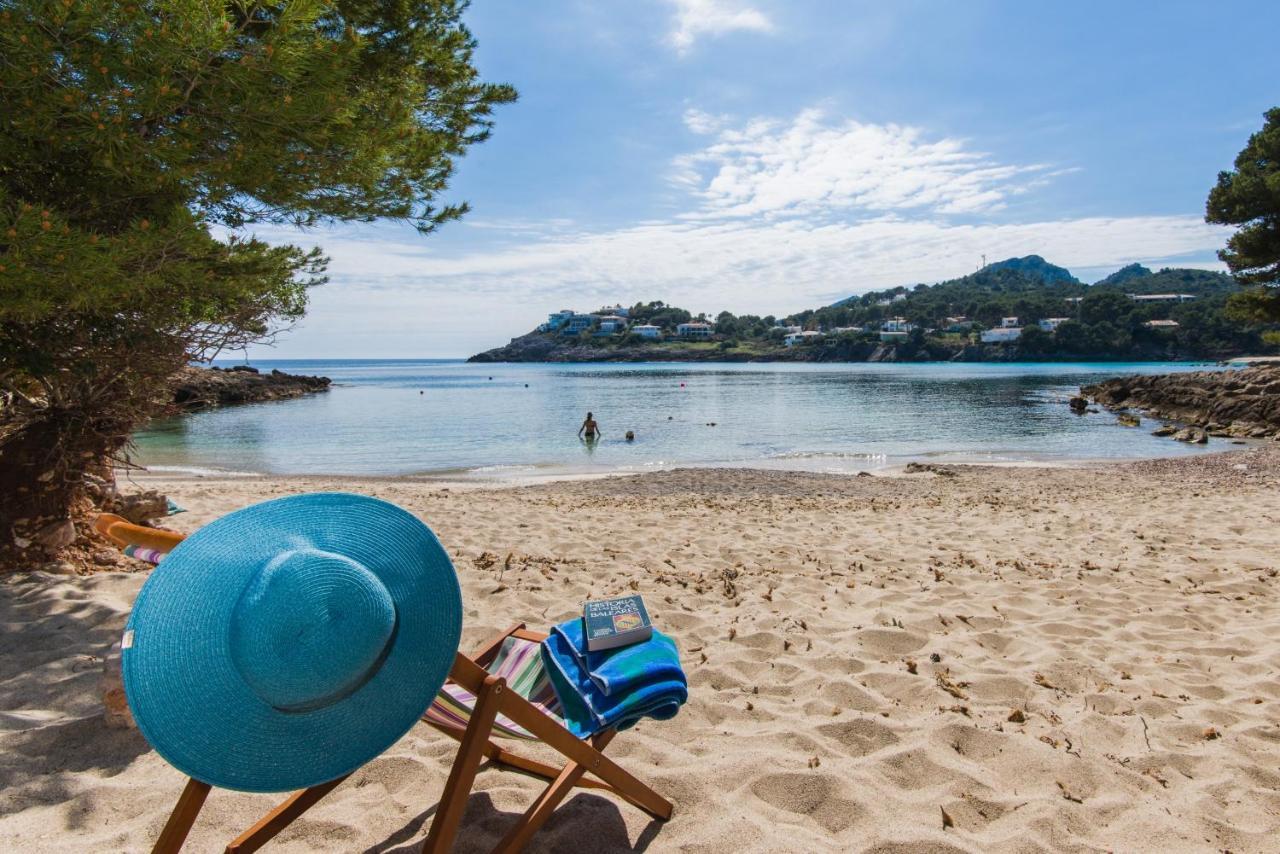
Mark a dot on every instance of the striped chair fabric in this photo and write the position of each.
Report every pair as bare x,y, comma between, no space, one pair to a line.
519,662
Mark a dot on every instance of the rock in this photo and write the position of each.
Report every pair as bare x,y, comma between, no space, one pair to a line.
1164,430
115,704
922,468
1127,420
1194,435
56,535
1234,402
1078,404
201,388
139,507
106,557
59,567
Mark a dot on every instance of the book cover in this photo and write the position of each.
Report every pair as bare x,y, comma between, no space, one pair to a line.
611,623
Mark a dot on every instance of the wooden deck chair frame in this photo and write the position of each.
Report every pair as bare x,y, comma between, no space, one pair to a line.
584,757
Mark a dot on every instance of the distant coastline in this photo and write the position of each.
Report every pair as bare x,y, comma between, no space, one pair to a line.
1017,310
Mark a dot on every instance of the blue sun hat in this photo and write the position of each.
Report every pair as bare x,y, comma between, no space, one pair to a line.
288,643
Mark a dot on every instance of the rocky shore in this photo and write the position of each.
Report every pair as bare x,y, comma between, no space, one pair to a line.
1239,403
202,388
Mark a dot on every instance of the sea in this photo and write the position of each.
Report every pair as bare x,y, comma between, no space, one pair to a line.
454,420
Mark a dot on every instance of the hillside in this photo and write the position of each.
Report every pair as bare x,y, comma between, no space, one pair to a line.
1133,314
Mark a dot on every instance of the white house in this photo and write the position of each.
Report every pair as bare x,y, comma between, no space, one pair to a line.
793,330
694,329
1162,297
1161,324
1009,323
612,323
801,338
1051,324
1001,335
647,330
896,329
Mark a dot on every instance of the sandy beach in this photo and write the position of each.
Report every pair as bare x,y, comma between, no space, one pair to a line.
977,659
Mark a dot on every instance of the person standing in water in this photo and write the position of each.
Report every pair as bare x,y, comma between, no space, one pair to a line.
589,430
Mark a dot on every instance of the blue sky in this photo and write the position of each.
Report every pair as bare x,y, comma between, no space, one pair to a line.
765,156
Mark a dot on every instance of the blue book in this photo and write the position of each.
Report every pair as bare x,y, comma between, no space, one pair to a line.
611,623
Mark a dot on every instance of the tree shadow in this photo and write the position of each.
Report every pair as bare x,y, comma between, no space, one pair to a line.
583,816
53,637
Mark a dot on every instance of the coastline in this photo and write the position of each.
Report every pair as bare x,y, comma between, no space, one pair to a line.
857,649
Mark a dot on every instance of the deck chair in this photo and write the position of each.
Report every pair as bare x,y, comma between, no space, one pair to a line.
501,690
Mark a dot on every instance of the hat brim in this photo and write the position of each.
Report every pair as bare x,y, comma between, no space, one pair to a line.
192,704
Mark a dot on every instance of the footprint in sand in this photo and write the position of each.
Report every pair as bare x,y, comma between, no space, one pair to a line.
814,795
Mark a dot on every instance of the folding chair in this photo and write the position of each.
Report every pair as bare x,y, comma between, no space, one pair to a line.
500,691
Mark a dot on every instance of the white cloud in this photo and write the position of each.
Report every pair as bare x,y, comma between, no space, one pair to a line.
811,166
696,18
781,216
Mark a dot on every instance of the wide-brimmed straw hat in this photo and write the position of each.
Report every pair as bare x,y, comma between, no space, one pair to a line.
288,643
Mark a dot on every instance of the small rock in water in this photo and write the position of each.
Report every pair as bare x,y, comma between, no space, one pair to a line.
1127,420
1164,430
1078,405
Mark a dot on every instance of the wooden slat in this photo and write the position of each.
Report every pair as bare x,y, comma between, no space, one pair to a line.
453,802
183,816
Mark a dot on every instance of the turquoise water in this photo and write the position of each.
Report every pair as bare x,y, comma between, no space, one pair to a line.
510,421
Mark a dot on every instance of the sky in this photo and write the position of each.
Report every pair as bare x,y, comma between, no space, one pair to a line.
768,156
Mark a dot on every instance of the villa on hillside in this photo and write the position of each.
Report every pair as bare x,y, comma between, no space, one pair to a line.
896,329
1161,297
612,323
795,338
617,310
578,322
1161,324
556,320
959,324
647,330
1007,332
1051,324
694,329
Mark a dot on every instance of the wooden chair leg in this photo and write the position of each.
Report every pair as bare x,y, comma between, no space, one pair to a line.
453,802
281,817
183,816
540,810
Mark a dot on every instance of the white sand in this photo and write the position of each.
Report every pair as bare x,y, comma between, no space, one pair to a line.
1125,612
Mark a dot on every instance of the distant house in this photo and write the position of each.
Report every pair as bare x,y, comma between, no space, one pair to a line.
958,324
1051,324
618,310
694,329
795,338
896,329
612,323
1161,324
843,330
555,321
1009,323
578,322
1162,297
647,330
1001,335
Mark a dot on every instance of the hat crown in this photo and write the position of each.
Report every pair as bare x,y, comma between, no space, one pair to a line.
310,628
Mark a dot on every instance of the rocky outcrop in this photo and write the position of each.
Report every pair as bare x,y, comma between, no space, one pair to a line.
202,388
1240,403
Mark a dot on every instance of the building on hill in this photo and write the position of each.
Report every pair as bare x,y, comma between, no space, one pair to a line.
960,323
1161,324
617,310
578,322
1161,297
896,329
556,320
647,330
1002,334
695,329
1051,324
795,338
1009,323
612,323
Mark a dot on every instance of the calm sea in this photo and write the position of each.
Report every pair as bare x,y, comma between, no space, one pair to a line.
391,417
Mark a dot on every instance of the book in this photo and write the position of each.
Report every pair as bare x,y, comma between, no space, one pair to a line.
611,623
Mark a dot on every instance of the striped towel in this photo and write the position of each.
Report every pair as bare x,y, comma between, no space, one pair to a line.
142,553
520,663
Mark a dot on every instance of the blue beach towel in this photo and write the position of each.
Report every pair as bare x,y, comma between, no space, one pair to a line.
643,680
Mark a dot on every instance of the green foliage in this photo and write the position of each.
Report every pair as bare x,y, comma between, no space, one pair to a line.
1249,197
130,131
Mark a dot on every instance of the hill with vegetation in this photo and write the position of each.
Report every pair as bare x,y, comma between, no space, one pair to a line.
1057,318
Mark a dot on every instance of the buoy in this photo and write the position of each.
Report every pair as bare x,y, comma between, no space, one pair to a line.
421,392
631,437
681,385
